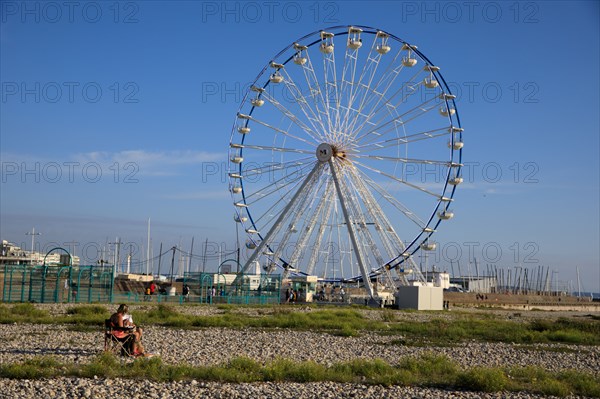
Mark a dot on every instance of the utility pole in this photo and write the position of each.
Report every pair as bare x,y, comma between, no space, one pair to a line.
172,263
191,251
129,260
159,258
204,256
117,253
148,251
237,238
32,234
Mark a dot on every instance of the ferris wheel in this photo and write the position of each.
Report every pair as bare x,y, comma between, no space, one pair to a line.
344,157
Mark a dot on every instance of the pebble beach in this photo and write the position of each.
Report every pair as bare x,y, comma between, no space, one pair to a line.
210,346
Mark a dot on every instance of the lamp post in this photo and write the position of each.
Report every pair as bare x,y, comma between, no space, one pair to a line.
32,233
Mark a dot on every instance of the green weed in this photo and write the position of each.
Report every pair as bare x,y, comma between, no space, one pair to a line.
428,370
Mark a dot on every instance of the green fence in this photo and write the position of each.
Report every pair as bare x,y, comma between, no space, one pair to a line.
86,284
53,284
220,288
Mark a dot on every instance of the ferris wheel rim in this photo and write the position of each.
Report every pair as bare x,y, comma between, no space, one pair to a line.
431,224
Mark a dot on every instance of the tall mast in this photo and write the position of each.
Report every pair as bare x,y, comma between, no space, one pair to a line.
148,251
191,251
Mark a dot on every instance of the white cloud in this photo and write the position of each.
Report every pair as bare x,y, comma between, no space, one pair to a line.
137,162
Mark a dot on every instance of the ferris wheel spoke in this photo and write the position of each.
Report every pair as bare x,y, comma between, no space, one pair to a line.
396,179
368,89
292,117
387,234
283,132
316,93
349,84
405,160
281,184
327,211
411,138
390,74
398,120
277,224
328,247
296,213
269,212
279,203
276,149
308,227
361,196
409,115
272,167
372,65
369,241
376,108
409,87
332,95
266,192
397,123
318,125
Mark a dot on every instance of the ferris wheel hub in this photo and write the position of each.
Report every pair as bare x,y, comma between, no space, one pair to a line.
324,152
327,151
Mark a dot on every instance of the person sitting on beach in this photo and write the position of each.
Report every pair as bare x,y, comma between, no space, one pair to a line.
125,326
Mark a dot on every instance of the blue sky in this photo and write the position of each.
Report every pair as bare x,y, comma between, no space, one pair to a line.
113,113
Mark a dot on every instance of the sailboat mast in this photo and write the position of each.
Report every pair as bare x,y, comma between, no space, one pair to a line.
148,251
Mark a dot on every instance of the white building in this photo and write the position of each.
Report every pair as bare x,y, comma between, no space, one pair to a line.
11,254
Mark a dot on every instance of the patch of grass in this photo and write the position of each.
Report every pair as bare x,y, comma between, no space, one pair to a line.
428,370
104,365
583,384
568,331
444,331
343,322
23,313
38,367
164,315
483,379
225,307
87,310
375,371
85,317
538,380
289,370
388,316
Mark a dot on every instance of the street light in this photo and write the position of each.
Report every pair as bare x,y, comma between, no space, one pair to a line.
32,234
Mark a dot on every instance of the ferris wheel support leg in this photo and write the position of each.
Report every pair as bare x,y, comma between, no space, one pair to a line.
363,270
277,223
